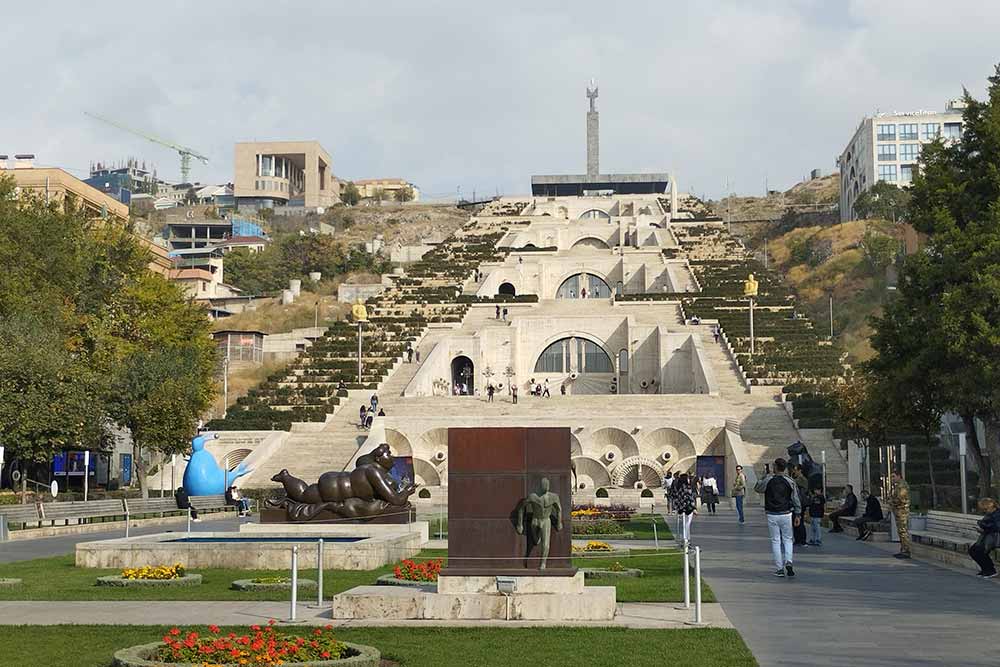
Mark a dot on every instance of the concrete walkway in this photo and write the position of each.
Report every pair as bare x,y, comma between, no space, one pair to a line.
630,615
851,603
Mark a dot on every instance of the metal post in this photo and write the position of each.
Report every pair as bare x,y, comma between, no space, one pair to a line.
902,460
822,456
697,585
86,473
295,583
656,538
751,326
319,575
961,460
359,352
163,464
126,521
189,519
831,315
687,580
225,384
173,466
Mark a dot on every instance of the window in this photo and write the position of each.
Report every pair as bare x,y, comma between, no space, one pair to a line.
887,132
906,173
908,132
953,131
266,165
887,172
555,358
590,357
909,152
931,131
887,152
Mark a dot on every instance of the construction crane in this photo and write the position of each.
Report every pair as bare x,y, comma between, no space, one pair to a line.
185,152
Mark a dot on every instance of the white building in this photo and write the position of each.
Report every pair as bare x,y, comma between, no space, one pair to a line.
886,146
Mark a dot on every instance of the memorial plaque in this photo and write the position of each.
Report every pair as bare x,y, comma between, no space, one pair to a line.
491,472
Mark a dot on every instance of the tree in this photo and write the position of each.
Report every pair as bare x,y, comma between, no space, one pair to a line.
404,194
879,250
349,194
378,194
883,200
191,197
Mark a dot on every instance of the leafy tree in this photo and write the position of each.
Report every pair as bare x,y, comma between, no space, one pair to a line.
349,194
378,194
404,195
883,200
879,250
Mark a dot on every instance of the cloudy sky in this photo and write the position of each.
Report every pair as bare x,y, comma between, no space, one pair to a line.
482,95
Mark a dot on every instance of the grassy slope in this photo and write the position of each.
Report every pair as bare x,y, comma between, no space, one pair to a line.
857,294
92,646
59,579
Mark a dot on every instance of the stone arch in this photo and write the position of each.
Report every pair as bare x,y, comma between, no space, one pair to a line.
398,443
572,334
506,288
668,446
591,242
594,214
613,445
637,472
576,289
425,473
575,448
591,473
463,372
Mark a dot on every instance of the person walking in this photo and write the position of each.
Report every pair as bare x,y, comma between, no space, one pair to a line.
989,538
562,388
374,402
668,483
545,389
847,508
710,493
503,314
498,311
817,508
362,413
802,484
513,394
684,501
783,510
490,389
739,490
899,501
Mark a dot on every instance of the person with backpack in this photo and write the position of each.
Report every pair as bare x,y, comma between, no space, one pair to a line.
784,510
989,539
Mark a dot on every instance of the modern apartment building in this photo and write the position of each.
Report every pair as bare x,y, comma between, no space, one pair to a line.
368,188
885,147
274,174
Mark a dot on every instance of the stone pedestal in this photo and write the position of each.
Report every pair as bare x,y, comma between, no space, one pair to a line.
476,598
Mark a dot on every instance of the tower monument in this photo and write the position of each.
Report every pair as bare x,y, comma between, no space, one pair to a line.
593,132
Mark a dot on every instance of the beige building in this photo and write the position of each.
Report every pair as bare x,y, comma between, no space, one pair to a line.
273,174
53,185
368,188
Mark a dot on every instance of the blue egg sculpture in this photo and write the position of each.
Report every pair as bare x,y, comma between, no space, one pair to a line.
203,475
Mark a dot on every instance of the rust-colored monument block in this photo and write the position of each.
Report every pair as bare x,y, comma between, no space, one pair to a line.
491,471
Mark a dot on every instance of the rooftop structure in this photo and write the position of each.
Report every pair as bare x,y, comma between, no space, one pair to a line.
886,146
274,174
594,182
368,188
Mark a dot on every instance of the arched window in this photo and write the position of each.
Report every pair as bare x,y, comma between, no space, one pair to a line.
591,242
506,288
574,286
595,214
574,354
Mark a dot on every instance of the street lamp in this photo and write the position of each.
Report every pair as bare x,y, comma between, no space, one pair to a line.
961,461
225,384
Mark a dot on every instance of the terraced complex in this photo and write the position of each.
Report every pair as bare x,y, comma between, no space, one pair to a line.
609,306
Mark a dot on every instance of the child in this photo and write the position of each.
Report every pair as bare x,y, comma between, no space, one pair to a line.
817,506
989,539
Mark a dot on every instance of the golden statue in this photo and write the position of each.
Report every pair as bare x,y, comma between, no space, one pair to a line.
359,311
750,286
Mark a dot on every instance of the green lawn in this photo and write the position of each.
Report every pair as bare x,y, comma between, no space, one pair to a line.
641,527
93,646
59,579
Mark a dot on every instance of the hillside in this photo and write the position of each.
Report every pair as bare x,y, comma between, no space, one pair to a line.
818,194
820,261
404,224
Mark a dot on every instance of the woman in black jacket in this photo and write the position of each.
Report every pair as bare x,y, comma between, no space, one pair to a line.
683,500
989,540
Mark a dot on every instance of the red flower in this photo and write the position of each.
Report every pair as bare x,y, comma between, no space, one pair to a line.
175,631
324,654
214,629
255,628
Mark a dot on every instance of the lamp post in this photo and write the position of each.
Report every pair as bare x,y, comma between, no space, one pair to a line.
750,288
961,461
902,460
225,384
359,351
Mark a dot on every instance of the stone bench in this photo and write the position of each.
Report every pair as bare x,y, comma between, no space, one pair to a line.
80,510
141,506
880,529
948,537
211,503
17,515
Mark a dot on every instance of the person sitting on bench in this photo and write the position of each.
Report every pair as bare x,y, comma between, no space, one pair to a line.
242,504
873,514
848,508
184,502
989,538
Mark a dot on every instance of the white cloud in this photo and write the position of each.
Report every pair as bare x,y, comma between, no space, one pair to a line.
450,94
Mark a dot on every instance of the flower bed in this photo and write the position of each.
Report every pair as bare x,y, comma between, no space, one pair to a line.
258,646
9,582
600,527
270,584
390,580
175,571
409,570
116,580
617,511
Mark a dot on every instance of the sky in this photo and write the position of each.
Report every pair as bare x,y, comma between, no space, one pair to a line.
480,96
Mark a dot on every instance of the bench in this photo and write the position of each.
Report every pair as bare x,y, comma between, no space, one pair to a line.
850,526
91,509
17,514
138,507
210,503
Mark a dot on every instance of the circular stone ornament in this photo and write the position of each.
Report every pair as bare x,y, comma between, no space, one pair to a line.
118,581
142,656
251,585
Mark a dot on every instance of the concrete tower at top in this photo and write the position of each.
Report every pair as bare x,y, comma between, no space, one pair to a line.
593,132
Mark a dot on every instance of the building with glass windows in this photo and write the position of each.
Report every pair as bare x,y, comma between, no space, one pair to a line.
279,174
886,147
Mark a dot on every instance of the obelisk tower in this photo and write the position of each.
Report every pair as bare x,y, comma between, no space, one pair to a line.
593,132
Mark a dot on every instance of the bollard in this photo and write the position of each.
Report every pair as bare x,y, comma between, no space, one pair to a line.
656,539
189,520
697,585
687,581
126,524
319,576
295,585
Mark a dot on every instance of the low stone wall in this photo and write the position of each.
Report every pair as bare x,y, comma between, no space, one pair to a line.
118,581
142,656
153,550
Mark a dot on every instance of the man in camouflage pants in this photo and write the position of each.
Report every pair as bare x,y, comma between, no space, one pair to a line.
899,500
